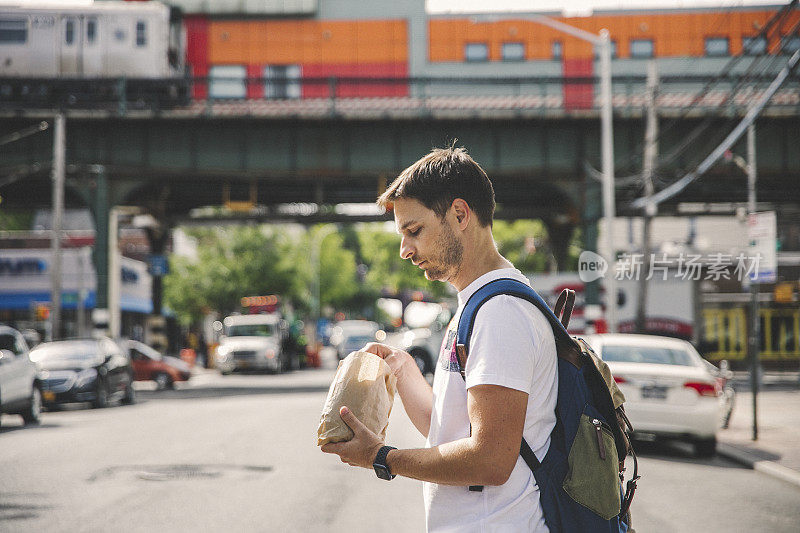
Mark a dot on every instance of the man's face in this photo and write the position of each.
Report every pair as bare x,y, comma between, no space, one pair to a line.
427,241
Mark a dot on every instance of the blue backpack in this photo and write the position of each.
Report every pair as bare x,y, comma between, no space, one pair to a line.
580,478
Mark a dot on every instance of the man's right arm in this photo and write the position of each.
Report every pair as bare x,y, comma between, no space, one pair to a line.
414,390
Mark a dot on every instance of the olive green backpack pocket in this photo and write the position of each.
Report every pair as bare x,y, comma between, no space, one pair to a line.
593,476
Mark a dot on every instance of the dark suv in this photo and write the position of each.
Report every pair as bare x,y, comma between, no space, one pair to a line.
20,391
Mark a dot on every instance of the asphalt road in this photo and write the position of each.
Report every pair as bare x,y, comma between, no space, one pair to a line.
238,453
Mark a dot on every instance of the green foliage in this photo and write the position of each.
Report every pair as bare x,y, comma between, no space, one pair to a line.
511,240
256,260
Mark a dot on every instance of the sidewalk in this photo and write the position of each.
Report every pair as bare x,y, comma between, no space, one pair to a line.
777,450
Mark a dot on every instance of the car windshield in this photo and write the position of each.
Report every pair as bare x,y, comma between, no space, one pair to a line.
647,354
65,350
251,330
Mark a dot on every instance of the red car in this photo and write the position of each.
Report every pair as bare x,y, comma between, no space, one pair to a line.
148,364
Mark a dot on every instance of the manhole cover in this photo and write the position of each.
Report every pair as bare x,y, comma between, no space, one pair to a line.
178,472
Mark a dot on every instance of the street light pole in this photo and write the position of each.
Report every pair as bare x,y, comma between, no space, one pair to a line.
59,149
754,327
609,208
603,42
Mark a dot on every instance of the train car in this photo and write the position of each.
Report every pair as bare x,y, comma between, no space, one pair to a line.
57,54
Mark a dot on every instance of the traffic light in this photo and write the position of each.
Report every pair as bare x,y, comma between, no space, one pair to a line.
42,312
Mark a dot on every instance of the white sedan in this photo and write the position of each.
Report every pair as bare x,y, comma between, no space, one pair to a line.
669,390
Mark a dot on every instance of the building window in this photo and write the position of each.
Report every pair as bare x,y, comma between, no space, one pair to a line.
557,50
642,48
91,30
282,81
69,32
13,31
227,81
717,46
476,52
613,50
754,46
141,33
513,52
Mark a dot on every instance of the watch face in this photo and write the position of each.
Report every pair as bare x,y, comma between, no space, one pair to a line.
382,472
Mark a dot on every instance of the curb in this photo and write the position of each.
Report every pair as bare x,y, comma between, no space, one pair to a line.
769,468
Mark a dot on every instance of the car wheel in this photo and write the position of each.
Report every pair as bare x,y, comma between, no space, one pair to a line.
421,359
33,411
162,381
705,448
101,396
130,394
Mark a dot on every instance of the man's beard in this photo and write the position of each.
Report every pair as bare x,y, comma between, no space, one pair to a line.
448,260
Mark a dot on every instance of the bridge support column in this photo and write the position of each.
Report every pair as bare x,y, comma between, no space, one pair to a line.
100,210
590,220
560,233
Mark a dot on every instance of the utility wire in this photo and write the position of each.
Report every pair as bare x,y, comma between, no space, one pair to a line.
26,132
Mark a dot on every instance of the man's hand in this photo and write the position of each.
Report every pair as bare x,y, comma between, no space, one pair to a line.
398,360
361,449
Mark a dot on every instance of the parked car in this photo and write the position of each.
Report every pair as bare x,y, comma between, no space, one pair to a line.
253,342
84,370
353,343
670,392
349,328
20,390
149,364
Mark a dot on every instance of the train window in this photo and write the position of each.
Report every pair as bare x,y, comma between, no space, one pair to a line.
13,31
282,81
717,46
791,45
476,52
557,50
91,30
227,81
613,50
642,48
69,32
513,52
141,33
754,46
119,34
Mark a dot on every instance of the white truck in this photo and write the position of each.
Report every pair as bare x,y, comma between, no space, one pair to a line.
253,342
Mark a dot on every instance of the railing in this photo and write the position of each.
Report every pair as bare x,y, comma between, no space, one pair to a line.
392,97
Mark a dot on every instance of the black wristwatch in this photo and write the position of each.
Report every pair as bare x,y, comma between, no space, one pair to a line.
379,464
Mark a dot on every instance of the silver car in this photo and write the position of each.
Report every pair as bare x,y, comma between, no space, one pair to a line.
20,391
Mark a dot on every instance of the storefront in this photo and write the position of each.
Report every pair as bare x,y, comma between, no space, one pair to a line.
25,290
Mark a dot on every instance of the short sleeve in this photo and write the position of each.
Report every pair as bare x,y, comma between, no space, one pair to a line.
503,345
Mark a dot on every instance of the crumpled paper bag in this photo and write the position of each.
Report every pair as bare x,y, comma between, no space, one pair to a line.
365,384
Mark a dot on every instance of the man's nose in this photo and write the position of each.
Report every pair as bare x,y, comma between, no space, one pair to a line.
406,251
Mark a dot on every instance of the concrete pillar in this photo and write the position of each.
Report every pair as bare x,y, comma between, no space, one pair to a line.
100,210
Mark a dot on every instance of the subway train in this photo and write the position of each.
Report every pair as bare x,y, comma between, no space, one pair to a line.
85,54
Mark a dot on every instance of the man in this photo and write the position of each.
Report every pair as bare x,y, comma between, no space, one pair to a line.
443,207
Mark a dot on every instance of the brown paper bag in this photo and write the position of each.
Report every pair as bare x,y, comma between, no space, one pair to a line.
366,385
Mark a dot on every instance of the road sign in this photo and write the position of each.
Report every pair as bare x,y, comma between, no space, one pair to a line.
157,265
761,232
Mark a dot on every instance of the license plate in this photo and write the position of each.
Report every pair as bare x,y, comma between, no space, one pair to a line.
654,393
48,396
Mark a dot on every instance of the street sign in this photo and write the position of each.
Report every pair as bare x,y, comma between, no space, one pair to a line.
157,265
762,232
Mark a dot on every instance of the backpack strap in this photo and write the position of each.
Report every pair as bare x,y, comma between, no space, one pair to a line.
564,306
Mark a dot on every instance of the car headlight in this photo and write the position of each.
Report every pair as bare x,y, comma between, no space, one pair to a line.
85,376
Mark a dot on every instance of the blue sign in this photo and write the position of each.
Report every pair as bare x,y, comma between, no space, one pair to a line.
157,265
22,266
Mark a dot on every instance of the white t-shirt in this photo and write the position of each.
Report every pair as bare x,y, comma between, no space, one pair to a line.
512,345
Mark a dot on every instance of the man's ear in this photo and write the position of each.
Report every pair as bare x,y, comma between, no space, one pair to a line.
461,211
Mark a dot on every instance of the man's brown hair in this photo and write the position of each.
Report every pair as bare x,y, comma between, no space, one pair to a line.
439,178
